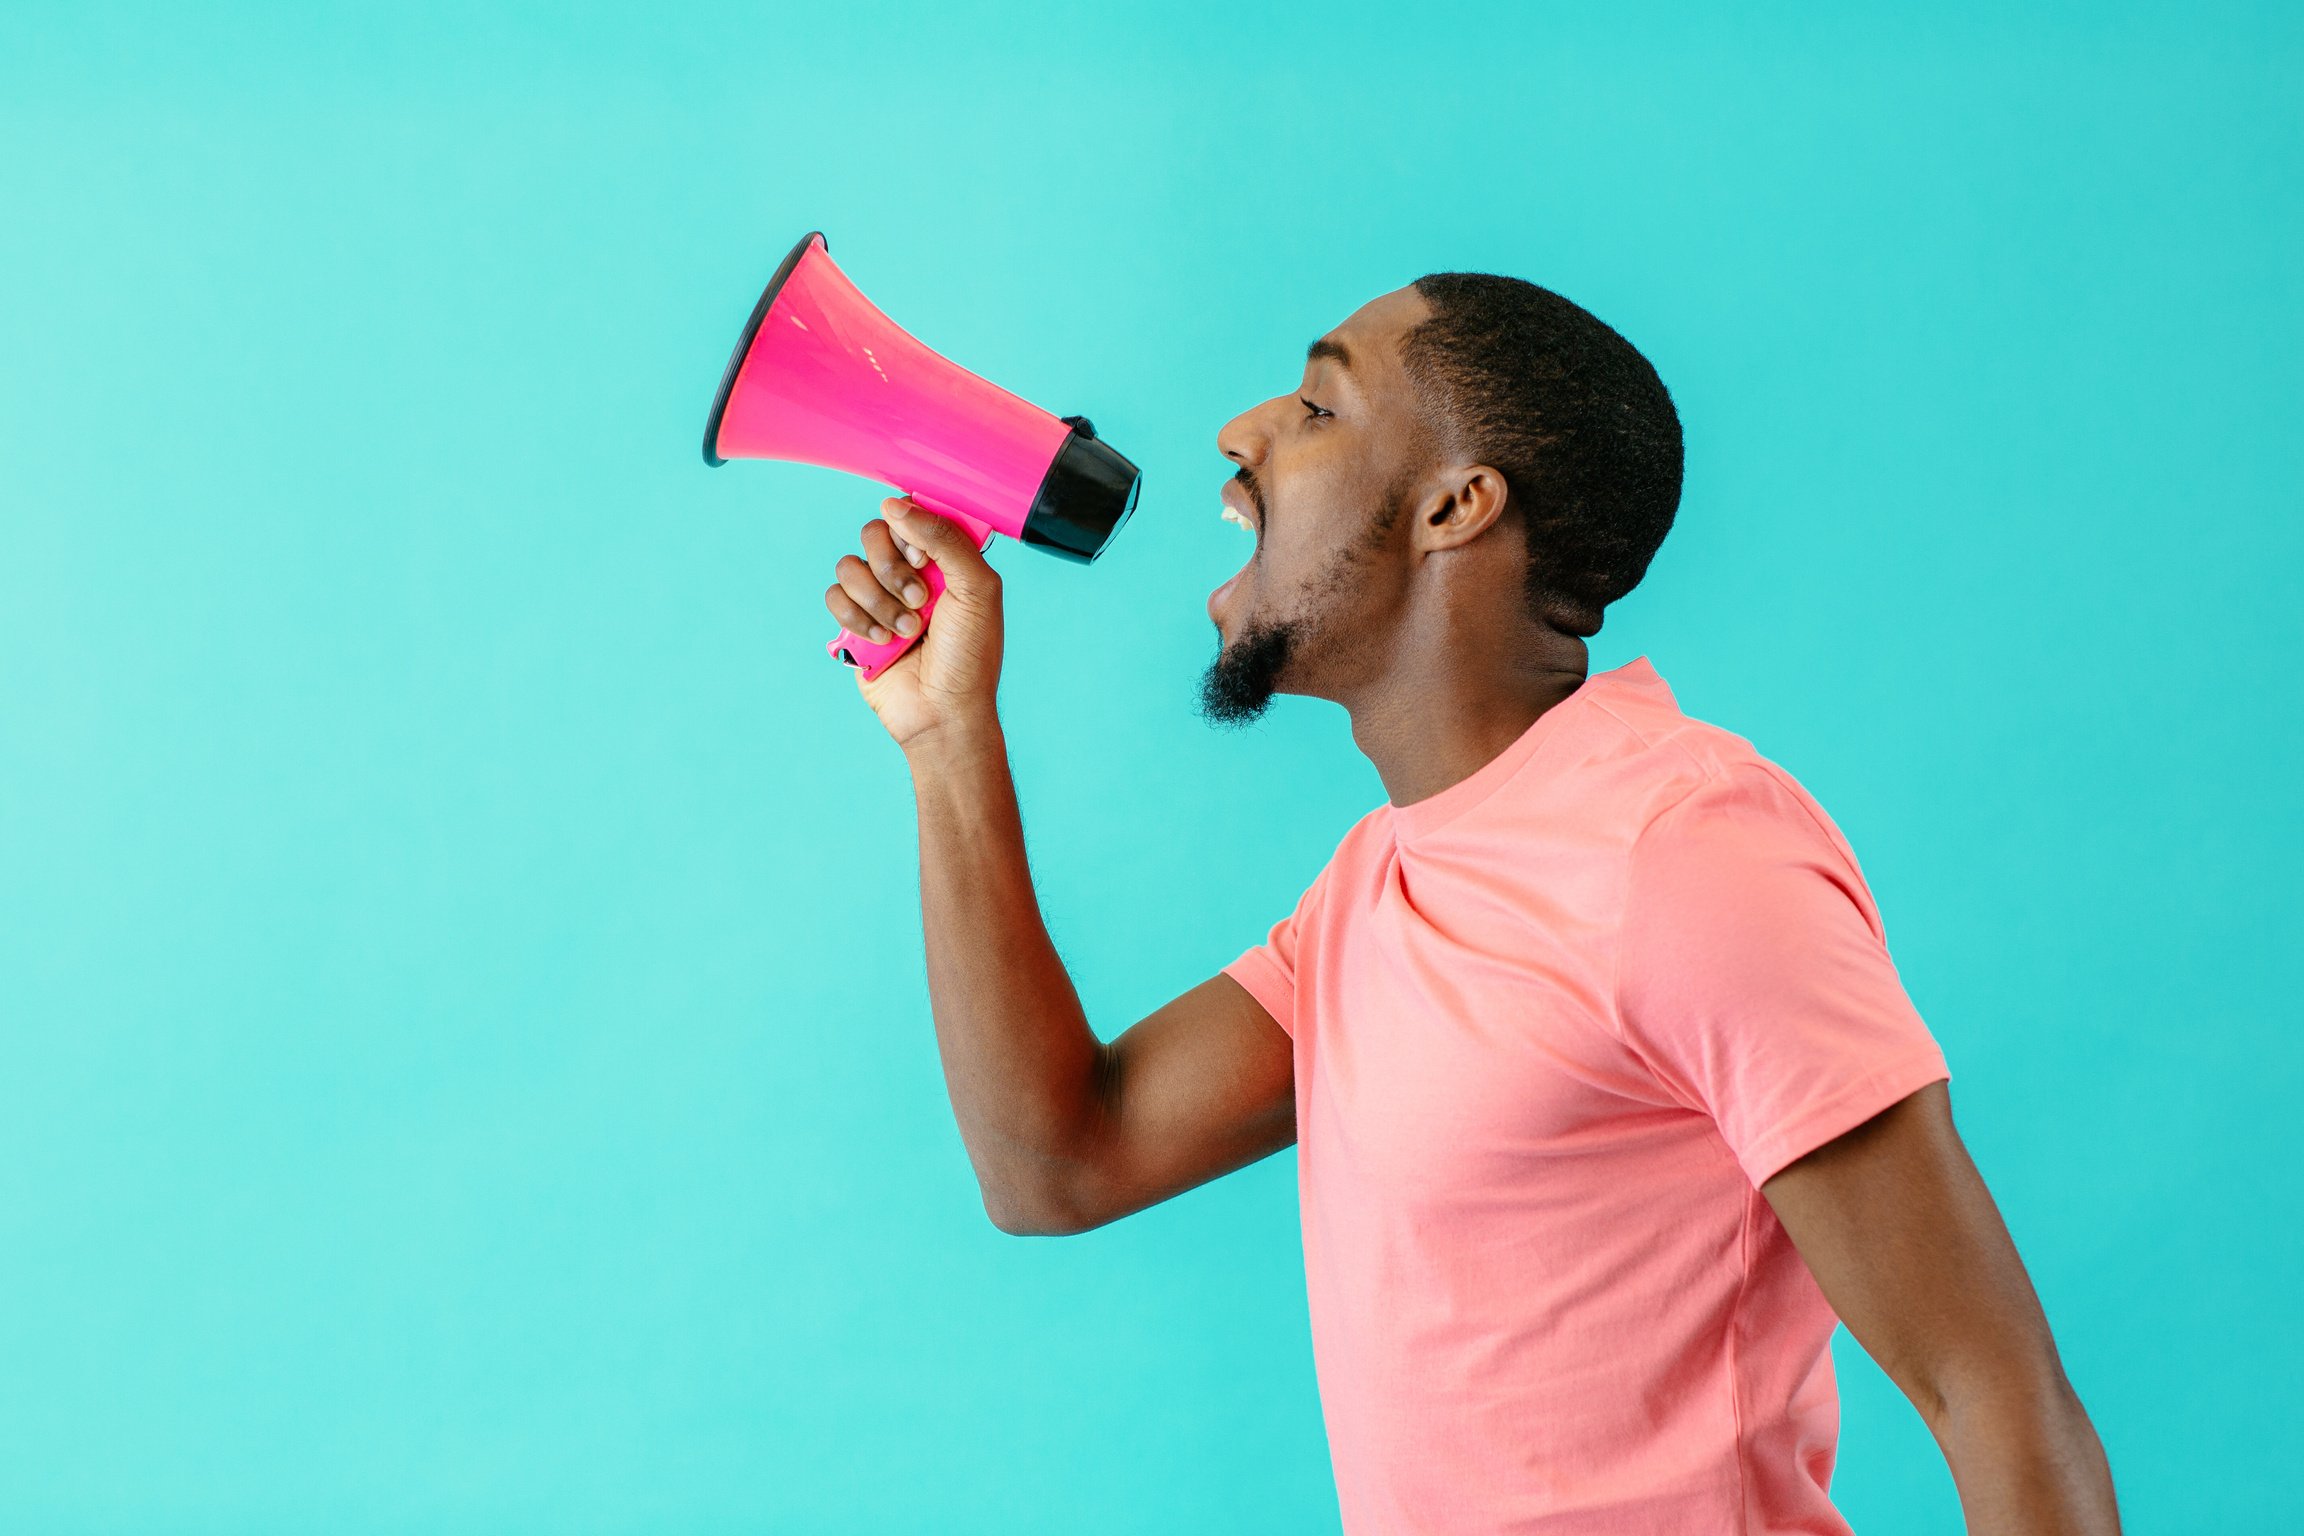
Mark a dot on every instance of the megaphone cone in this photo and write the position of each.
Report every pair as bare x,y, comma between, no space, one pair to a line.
821,376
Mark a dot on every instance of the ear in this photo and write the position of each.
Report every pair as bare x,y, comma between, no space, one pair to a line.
1465,503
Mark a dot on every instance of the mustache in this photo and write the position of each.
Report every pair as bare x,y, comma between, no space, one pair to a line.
1245,478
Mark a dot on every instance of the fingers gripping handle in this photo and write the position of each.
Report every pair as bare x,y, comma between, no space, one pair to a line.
873,657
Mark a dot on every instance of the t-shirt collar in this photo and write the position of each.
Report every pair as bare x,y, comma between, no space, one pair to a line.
1434,811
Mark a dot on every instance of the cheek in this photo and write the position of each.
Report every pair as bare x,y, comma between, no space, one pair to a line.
1281,562
1319,502
1295,577
1314,513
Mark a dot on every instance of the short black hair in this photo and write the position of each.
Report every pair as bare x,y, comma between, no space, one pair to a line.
1573,416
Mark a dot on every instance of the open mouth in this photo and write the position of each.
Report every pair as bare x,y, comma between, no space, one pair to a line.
1237,512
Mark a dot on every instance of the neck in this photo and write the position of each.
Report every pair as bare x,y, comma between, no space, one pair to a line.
1453,698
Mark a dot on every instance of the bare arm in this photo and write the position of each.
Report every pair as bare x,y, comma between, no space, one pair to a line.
1902,1235
1064,1132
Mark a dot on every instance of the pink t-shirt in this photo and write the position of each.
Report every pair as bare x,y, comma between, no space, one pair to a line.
1553,1026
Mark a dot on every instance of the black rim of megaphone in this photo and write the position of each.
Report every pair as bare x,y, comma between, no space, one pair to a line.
744,344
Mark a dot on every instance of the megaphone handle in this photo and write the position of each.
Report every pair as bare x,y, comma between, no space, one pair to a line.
873,657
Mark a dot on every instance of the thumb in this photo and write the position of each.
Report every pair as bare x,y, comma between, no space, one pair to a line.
968,576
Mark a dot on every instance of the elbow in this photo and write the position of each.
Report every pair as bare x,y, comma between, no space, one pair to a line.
1057,1183
1017,1223
1037,1213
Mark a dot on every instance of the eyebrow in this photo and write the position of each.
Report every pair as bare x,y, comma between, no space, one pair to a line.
1324,347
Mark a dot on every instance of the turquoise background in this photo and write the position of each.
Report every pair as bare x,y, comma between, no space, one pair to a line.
463,1053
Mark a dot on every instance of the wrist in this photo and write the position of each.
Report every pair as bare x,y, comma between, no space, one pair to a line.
955,742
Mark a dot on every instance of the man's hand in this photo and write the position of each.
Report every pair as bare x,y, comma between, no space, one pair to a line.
951,677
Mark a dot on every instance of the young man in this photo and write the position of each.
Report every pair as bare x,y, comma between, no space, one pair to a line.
1608,1098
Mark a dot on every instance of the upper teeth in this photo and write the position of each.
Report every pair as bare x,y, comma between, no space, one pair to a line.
1232,516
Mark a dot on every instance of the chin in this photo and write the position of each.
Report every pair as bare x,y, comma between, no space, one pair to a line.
1248,671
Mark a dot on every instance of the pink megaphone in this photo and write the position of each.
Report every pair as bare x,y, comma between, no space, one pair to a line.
820,376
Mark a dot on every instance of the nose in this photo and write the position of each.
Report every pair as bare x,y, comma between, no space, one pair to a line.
1243,439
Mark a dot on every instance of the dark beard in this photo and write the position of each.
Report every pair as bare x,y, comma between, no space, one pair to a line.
1240,683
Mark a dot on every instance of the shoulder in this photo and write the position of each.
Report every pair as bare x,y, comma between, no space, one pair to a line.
1747,855
1703,823
1684,779
1363,847
1743,811
1637,771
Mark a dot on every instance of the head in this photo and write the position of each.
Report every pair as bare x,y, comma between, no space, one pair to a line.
1469,454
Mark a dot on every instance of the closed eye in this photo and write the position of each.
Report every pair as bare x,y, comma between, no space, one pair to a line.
1316,411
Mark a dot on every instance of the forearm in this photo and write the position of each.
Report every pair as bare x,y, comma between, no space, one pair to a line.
2025,1459
1019,1058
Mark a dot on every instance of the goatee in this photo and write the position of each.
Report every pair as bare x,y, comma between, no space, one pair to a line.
1240,683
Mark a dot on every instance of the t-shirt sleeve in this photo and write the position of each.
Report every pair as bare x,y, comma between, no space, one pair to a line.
1754,976
1268,970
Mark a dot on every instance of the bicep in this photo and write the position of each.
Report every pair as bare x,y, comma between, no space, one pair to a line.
1903,1238
1191,1092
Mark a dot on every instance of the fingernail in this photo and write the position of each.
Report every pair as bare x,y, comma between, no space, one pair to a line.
879,636
917,556
915,594
907,623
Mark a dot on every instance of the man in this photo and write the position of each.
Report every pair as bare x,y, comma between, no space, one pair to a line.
1608,1098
